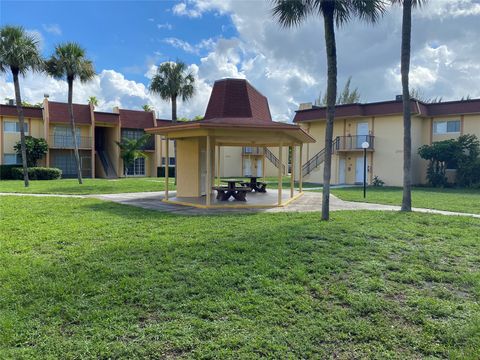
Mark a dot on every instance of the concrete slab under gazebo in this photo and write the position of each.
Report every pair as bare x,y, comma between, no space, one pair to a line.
237,115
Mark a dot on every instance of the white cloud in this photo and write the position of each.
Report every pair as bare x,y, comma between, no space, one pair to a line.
166,26
52,29
182,10
205,44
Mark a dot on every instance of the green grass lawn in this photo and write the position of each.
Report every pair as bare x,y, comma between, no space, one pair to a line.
461,200
104,186
90,186
82,278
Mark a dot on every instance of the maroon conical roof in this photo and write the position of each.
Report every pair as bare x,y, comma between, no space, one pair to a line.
237,99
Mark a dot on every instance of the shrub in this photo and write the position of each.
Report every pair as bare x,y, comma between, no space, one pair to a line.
377,182
6,172
38,173
36,149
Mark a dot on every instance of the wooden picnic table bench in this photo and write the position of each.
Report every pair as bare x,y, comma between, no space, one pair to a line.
239,193
255,185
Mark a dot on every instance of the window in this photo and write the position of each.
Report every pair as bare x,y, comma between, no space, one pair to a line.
12,159
62,136
132,134
13,126
66,163
137,168
171,161
446,127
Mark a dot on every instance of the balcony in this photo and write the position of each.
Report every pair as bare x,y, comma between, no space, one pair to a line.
354,143
252,150
66,142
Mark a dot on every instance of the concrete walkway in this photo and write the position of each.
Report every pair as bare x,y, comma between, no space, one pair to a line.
310,201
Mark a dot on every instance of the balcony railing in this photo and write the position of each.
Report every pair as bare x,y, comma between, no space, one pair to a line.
252,150
66,142
352,143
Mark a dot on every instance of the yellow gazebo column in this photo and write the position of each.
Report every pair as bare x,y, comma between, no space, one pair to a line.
166,169
280,165
218,165
264,164
208,182
300,172
292,171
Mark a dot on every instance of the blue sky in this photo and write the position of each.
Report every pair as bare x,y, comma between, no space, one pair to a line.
240,39
126,36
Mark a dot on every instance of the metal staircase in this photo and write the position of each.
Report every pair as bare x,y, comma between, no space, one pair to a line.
273,159
107,165
318,158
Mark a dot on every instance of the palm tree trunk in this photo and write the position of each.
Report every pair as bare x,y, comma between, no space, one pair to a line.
74,130
407,138
21,119
331,97
174,120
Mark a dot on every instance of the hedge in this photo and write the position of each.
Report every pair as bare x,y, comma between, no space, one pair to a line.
6,172
161,171
38,173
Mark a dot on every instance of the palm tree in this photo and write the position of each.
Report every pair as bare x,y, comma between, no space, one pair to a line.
131,149
147,107
69,62
407,117
19,53
291,13
92,100
171,82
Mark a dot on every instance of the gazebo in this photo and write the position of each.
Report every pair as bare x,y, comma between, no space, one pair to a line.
237,115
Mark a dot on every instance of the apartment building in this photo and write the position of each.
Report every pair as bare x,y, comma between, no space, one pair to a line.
381,125
97,134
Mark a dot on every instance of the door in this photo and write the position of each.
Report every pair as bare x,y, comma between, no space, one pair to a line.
362,134
259,167
341,171
203,171
359,170
247,167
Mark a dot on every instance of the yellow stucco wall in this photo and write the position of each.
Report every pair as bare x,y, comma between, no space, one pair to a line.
8,140
188,167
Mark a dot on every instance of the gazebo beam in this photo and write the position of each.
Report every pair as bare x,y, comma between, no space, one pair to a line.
166,168
292,171
300,171
280,173
208,182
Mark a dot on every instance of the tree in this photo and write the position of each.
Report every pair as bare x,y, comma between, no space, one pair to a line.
19,53
461,154
407,116
69,62
173,81
131,149
291,13
35,149
147,107
347,96
92,100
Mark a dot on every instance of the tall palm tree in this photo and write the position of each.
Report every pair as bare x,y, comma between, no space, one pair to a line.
147,107
69,62
173,81
291,13
92,100
19,53
407,117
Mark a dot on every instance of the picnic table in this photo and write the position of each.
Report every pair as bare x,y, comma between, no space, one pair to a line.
255,185
239,193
